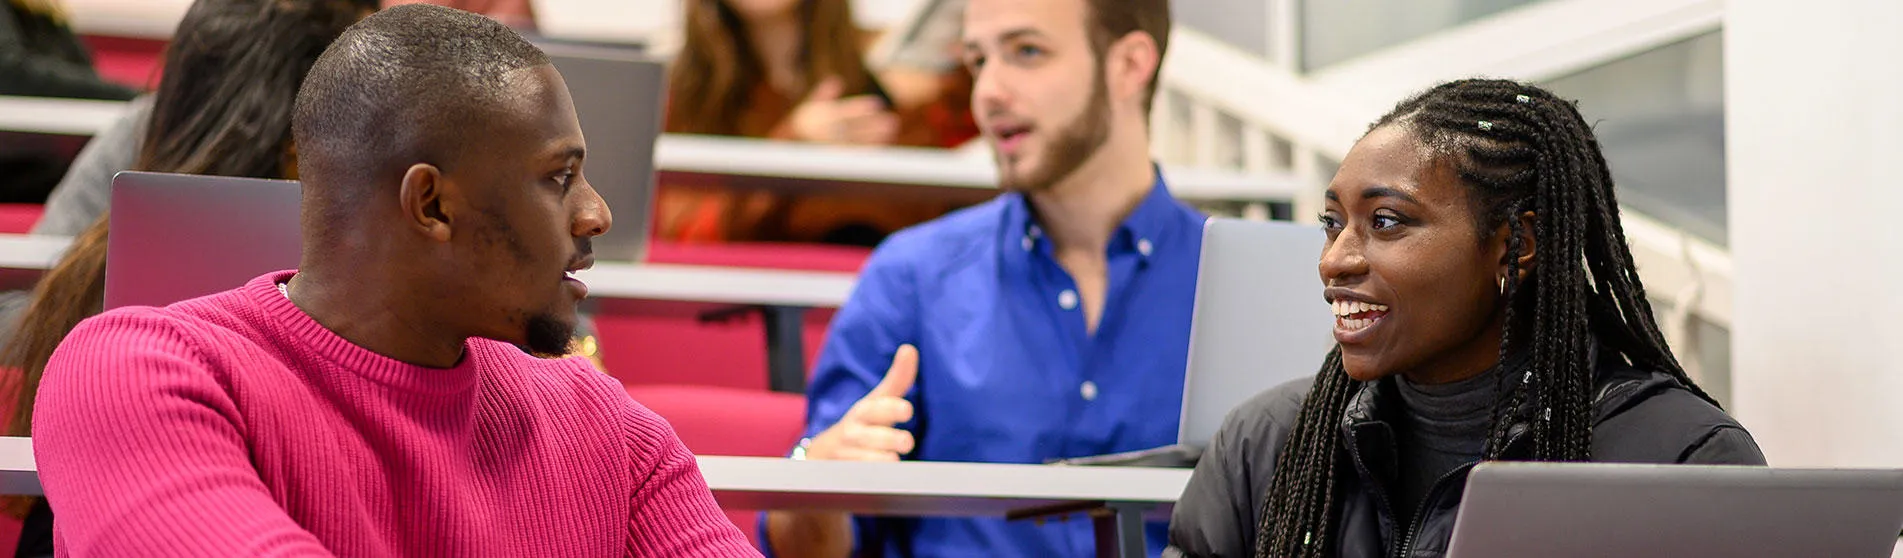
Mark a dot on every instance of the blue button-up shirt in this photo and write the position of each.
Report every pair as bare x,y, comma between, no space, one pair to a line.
1008,371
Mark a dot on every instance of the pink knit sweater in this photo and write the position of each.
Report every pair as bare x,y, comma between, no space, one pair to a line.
235,425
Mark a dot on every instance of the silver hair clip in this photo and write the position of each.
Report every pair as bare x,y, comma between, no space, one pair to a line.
1486,126
1523,99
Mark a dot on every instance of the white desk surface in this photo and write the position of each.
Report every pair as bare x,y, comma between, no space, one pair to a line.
898,166
931,489
18,475
73,117
920,167
141,19
913,488
940,489
689,283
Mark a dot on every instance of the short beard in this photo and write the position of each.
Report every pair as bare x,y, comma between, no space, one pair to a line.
1073,144
549,336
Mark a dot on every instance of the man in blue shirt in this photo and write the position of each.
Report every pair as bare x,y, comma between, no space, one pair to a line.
1049,323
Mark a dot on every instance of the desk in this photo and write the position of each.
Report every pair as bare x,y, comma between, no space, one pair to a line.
140,19
1121,496
966,175
68,117
687,283
1118,498
18,475
791,165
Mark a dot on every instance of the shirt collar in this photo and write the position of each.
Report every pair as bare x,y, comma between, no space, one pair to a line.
1141,232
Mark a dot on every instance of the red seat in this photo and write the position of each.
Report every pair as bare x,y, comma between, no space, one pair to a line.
648,342
128,61
663,342
19,218
724,421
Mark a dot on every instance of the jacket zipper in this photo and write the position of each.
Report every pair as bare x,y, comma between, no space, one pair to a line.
1416,521
1380,493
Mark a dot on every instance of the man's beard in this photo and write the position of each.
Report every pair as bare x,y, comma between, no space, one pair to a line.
1069,148
549,335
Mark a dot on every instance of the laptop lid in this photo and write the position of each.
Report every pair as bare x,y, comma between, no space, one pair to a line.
177,237
618,93
1259,319
1579,510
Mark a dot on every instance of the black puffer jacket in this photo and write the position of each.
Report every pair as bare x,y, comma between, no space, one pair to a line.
1639,417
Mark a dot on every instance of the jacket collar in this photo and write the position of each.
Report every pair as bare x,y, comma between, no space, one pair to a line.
1616,386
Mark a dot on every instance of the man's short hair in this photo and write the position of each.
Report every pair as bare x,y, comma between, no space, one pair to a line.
404,86
1110,20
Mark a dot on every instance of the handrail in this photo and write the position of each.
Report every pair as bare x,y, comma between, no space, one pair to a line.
1324,114
1538,42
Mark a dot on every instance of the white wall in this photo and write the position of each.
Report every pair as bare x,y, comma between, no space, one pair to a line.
1815,133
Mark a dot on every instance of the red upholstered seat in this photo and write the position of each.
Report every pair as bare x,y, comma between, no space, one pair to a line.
662,342
19,218
726,421
129,61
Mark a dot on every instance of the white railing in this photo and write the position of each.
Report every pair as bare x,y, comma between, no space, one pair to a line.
1219,106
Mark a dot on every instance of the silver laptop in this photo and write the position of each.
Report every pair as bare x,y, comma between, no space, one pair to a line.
618,94
177,237
1260,319
1654,511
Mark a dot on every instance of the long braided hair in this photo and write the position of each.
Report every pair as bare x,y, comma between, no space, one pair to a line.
1518,148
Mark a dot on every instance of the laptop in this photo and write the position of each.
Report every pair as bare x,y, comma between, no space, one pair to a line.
619,93
1557,510
1259,321
178,237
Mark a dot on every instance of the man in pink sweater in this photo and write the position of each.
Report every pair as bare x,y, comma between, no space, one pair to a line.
375,401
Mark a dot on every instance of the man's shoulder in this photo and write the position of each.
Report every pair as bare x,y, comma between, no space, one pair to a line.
942,242
199,319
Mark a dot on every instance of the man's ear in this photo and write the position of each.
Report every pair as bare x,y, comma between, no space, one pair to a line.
421,196
1130,65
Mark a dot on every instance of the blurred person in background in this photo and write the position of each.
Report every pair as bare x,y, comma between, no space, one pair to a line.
1051,323
796,70
223,108
40,57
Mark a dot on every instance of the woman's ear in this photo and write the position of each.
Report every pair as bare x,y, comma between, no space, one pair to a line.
1502,245
1529,247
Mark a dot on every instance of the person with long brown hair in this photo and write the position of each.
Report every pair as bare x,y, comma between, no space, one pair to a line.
795,70
223,108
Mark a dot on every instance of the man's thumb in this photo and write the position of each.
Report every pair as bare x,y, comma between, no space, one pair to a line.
903,373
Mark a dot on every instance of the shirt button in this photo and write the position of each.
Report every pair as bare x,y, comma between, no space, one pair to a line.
1067,299
1144,247
1088,390
1028,243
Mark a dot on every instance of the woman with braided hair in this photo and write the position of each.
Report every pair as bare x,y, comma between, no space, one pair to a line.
1486,308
